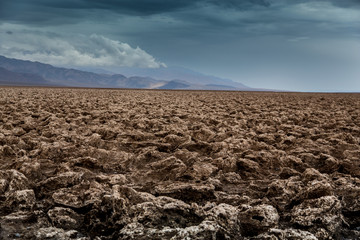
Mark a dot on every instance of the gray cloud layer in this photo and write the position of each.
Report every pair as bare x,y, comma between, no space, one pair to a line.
139,7
21,9
77,50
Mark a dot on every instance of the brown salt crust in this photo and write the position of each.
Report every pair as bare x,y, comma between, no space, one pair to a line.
142,164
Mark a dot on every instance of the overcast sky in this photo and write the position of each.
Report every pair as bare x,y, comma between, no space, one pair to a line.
280,44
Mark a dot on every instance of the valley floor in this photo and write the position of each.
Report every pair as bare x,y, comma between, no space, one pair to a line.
145,164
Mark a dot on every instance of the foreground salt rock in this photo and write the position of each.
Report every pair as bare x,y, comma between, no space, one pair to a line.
130,164
258,219
294,234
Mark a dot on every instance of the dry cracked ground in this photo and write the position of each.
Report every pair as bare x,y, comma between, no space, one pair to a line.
142,164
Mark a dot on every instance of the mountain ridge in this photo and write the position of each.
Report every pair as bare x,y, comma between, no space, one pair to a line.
175,73
14,78
29,73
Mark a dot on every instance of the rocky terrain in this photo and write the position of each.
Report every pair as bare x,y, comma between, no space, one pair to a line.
146,164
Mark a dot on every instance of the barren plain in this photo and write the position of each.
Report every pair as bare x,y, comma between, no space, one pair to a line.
144,164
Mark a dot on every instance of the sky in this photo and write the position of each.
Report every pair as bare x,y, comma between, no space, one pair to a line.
297,45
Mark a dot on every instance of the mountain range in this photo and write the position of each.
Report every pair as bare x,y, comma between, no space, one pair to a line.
17,72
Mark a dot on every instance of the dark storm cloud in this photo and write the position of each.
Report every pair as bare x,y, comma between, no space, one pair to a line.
143,7
57,12
66,11
340,3
240,4
35,12
251,16
194,14
346,3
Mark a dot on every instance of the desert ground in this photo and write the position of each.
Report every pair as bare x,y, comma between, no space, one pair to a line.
146,164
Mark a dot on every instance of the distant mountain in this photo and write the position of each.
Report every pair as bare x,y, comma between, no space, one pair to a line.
72,77
28,73
22,79
175,84
60,76
221,87
96,70
180,73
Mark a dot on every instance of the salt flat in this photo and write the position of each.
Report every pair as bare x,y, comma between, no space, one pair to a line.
146,164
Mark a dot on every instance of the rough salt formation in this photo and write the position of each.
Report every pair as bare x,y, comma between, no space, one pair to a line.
126,164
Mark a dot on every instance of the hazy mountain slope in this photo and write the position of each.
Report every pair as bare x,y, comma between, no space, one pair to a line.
190,76
24,79
69,77
21,72
219,87
175,85
72,77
